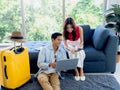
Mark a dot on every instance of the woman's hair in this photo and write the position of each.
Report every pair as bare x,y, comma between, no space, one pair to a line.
65,32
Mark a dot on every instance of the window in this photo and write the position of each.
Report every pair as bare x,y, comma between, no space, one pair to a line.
85,11
10,18
43,17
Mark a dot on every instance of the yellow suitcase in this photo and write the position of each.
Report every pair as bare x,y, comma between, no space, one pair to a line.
1,73
15,67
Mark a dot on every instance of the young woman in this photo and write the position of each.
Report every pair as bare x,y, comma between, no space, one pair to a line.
73,41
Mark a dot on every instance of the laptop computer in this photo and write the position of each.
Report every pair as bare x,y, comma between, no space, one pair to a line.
66,64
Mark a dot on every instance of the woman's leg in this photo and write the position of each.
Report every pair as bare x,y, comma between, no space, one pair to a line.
76,72
77,78
81,56
81,72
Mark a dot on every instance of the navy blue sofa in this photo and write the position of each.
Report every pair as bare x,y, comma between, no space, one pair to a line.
100,46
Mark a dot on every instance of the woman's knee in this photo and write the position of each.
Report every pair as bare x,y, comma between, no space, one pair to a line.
82,54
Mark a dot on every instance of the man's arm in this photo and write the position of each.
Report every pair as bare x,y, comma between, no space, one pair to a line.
63,54
41,59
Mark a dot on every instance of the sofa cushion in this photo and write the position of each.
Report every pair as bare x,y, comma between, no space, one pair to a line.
100,36
87,34
93,55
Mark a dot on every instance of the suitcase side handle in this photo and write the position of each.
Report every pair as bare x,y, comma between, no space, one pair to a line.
5,71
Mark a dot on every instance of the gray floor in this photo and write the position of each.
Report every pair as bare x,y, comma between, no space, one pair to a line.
92,82
96,81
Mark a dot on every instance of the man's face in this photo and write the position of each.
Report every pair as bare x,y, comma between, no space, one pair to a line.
57,41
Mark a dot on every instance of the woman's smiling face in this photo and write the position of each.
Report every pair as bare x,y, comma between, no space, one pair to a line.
69,28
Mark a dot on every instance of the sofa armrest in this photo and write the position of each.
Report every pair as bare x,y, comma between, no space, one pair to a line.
110,51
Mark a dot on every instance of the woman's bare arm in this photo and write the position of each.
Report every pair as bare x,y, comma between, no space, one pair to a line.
66,45
68,48
81,37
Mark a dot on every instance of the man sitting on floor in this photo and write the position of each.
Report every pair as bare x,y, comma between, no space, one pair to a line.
48,77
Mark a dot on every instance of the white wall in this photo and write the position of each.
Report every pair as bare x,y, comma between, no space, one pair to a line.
109,3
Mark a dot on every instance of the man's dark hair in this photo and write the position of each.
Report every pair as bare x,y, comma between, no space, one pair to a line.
55,35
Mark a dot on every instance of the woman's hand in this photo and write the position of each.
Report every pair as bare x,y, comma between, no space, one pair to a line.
72,51
80,46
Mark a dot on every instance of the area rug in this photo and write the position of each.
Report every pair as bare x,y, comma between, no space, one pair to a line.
92,82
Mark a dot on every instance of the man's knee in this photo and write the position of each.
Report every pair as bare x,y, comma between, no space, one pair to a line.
55,79
55,75
42,78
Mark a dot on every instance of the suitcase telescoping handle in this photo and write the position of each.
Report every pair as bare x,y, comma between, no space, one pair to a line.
5,71
17,49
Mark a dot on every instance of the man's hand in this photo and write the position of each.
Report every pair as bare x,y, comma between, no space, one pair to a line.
52,65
